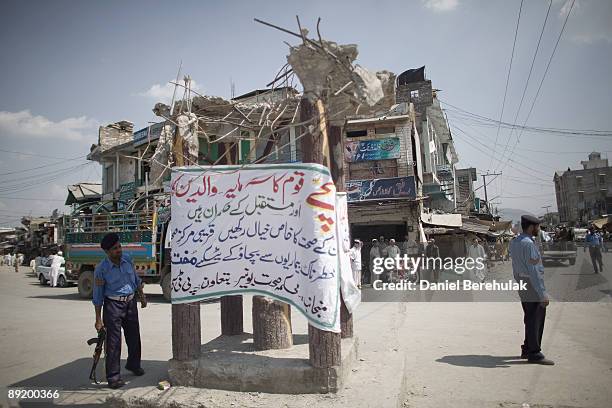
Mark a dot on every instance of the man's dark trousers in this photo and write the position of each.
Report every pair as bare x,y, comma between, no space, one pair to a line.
595,253
119,315
534,317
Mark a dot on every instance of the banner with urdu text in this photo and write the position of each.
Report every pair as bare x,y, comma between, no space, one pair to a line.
266,229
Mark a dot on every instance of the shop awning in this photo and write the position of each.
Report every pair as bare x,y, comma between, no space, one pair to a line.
441,220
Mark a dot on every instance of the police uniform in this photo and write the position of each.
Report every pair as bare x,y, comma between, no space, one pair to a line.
115,288
523,249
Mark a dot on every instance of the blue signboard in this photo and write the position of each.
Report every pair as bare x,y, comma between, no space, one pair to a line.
376,149
149,133
379,189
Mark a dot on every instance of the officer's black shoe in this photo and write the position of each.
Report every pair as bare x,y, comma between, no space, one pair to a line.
542,361
524,356
138,371
116,384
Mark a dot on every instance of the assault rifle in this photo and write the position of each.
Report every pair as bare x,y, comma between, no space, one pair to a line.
99,342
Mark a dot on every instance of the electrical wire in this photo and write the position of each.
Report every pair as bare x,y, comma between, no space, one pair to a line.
518,22
518,138
535,54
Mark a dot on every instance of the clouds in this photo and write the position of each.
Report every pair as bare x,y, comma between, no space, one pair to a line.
23,125
589,22
163,93
441,5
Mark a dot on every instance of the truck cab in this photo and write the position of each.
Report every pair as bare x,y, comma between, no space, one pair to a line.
142,229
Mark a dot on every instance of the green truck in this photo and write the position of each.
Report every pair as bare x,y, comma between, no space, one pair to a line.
143,229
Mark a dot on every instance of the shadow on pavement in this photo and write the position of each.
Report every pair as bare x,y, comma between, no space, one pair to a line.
482,361
72,380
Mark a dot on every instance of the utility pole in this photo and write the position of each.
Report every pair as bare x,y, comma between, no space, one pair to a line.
484,181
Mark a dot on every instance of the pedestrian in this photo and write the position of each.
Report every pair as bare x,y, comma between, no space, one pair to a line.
383,246
374,253
594,241
410,247
33,265
527,267
56,263
432,253
476,252
392,252
355,257
115,287
15,260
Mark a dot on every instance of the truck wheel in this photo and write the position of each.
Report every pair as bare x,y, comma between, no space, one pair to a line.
572,261
42,279
86,284
61,281
165,284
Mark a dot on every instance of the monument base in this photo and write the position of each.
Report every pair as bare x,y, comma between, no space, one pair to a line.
231,363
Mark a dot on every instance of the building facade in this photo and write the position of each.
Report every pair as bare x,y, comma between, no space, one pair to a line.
437,148
381,167
584,194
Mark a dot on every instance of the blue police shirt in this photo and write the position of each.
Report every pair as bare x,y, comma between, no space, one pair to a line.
119,280
593,240
522,249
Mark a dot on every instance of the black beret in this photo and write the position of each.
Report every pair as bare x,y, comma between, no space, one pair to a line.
109,240
530,219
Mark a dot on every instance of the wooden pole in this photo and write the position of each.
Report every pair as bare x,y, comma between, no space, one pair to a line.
231,315
186,326
186,331
271,324
324,346
232,320
338,175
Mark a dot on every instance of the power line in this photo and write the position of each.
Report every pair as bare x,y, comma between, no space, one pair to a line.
518,138
484,120
43,166
528,78
28,199
518,21
34,155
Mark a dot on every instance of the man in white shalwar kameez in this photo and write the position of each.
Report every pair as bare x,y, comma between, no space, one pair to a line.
474,252
56,263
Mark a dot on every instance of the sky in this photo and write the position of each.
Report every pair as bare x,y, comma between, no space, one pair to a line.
70,66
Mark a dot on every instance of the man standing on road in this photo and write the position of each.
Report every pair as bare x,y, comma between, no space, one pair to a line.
474,252
115,286
432,253
355,257
56,263
392,252
374,253
594,241
527,267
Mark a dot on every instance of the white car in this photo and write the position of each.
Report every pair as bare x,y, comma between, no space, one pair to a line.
42,272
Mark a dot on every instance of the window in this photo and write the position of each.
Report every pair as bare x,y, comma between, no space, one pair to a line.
384,130
357,133
581,196
414,94
109,179
579,181
602,179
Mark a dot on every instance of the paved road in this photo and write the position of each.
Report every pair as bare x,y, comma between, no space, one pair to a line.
411,354
570,283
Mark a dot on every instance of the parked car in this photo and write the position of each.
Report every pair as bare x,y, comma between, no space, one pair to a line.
43,271
560,248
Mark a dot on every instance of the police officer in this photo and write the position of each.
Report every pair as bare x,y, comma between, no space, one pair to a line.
527,267
115,286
